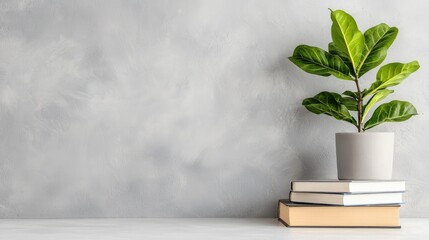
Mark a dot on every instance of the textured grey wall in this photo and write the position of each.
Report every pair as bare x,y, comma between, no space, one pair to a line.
182,108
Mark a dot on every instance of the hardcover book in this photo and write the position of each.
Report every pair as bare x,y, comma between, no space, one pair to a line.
311,215
346,186
345,199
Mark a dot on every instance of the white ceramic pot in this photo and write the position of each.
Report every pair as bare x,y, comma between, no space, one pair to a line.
364,156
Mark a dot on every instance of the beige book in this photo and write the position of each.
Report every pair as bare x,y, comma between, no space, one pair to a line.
310,215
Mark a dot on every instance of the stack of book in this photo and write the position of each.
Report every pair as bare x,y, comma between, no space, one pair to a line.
343,204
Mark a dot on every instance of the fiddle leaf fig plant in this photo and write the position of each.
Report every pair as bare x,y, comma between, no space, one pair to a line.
350,55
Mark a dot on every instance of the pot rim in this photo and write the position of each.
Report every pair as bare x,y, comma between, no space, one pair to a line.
364,133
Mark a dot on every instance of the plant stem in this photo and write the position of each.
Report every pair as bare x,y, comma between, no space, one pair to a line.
359,105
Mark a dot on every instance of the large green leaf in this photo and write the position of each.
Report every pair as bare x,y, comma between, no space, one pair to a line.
317,61
347,37
330,104
354,95
350,103
380,95
394,111
392,74
333,49
377,41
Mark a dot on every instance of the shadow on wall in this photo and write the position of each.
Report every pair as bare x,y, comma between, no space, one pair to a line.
315,153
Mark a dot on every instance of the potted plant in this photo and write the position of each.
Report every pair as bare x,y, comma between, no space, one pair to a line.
351,54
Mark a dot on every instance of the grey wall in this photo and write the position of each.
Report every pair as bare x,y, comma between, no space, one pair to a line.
182,108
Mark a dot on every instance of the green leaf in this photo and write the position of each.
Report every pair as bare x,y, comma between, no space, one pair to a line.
333,49
347,37
378,39
330,104
350,103
380,95
392,74
394,111
317,61
354,95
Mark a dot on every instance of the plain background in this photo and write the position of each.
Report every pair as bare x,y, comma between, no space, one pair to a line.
183,108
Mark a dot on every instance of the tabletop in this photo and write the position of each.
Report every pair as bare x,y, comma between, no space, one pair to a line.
195,228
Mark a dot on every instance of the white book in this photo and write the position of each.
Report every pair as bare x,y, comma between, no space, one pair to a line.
346,199
348,186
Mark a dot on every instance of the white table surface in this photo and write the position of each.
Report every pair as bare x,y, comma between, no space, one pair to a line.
193,228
